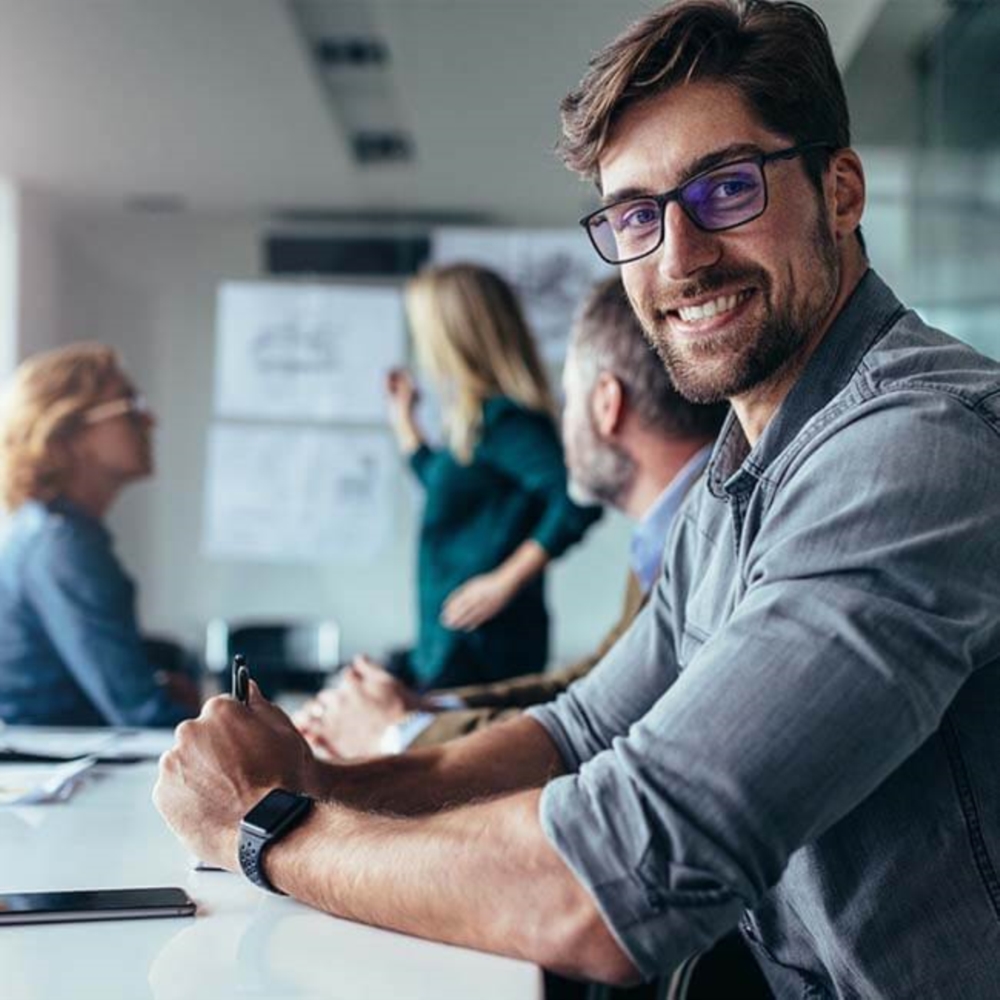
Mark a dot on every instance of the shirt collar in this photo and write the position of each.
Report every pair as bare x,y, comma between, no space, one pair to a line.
60,505
867,315
650,535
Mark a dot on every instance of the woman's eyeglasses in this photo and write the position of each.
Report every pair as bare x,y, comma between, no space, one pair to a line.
132,406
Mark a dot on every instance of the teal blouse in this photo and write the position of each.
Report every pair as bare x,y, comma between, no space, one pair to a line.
475,516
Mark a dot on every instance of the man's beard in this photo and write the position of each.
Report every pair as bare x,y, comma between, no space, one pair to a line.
751,356
605,473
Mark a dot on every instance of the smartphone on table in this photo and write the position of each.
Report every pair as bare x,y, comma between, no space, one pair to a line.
94,904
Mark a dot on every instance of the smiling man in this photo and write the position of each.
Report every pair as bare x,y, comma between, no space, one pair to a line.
798,736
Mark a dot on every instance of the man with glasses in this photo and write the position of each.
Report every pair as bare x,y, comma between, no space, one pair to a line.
798,736
73,435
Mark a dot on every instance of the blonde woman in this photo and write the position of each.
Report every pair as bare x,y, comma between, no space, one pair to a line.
496,507
73,434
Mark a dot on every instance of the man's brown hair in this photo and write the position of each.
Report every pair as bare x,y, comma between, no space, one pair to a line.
777,55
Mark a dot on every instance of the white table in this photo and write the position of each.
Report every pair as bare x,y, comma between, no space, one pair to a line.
243,943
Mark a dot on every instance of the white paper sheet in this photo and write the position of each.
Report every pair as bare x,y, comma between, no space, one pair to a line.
551,270
298,494
69,743
34,784
306,352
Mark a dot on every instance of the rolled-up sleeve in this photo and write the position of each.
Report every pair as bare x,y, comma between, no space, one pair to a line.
623,687
870,595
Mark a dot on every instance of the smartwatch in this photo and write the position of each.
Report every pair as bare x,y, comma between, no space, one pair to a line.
276,814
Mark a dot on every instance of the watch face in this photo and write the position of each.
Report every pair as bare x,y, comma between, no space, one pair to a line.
275,811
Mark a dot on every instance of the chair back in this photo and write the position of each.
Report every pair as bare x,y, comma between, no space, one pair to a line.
282,656
165,653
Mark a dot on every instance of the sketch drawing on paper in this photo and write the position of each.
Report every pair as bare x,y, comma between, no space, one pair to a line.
286,347
306,352
319,494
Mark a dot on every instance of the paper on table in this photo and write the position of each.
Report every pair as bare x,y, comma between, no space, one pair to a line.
33,784
68,744
147,744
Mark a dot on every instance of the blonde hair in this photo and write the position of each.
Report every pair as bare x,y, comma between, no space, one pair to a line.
471,336
41,407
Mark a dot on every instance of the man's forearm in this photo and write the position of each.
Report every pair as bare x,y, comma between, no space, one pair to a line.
455,723
481,875
505,758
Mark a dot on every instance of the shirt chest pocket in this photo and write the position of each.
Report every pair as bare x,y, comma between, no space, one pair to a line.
703,609
708,606
692,639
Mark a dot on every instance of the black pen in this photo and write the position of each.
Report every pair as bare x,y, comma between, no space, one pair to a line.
241,679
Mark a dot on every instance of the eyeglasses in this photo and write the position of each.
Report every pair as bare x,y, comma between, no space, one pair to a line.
723,197
132,406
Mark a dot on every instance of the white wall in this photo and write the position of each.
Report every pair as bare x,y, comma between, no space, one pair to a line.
147,286
30,273
8,276
40,265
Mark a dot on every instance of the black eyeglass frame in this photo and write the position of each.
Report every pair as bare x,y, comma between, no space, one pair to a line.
662,200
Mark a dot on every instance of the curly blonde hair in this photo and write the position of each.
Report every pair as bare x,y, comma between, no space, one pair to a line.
470,334
41,407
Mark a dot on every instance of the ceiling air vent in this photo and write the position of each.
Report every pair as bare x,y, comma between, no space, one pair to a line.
354,66
382,147
351,52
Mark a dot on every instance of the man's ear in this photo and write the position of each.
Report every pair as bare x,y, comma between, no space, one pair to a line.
846,192
607,404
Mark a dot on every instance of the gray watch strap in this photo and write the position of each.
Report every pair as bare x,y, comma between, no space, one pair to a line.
251,854
273,817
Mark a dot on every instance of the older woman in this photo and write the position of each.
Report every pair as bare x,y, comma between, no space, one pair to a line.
73,434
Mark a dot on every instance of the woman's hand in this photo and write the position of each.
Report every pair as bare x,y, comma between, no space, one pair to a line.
401,389
483,597
478,600
403,398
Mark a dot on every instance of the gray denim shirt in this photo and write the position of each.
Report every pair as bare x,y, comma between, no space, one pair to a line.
801,732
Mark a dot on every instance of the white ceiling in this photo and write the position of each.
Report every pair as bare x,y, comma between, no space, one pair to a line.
217,101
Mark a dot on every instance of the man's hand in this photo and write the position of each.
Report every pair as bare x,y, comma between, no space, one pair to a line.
221,765
348,720
478,600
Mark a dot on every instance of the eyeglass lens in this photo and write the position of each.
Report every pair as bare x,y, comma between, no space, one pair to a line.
132,405
721,199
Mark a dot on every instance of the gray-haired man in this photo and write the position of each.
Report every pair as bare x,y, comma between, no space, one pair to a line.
631,442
